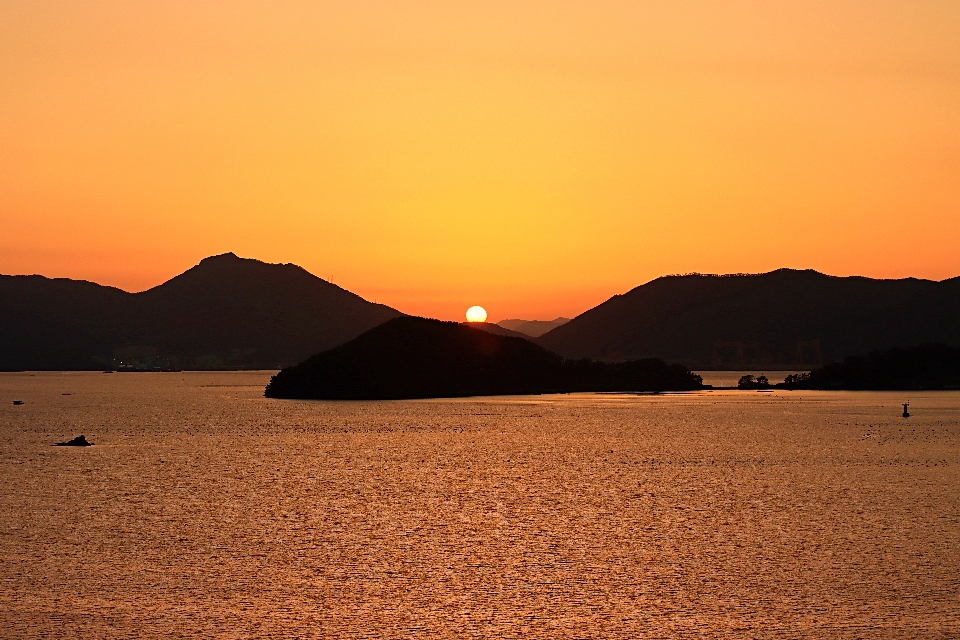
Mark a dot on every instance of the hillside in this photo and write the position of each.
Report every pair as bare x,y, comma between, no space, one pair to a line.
929,366
496,329
53,324
783,318
412,357
225,312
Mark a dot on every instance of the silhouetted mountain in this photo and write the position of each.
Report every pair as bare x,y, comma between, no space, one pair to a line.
533,328
224,312
58,323
784,318
412,357
930,366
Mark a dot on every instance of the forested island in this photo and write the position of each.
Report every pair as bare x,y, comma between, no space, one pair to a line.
930,366
410,357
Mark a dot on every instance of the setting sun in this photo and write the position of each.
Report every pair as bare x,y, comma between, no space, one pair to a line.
718,393
476,314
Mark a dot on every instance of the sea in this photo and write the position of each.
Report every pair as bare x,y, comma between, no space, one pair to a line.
205,510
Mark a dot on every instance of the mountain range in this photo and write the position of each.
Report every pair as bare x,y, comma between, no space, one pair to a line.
226,312
231,312
782,319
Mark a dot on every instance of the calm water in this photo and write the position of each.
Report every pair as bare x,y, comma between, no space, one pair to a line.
731,378
206,510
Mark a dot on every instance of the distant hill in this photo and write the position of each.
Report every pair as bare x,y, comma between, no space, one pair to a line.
224,312
533,328
412,357
496,329
931,366
785,318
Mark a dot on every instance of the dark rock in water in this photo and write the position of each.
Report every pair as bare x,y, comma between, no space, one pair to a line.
412,357
79,441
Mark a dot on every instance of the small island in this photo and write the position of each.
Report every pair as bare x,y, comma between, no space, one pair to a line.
410,357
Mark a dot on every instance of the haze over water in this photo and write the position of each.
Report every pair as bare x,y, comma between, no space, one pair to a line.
206,510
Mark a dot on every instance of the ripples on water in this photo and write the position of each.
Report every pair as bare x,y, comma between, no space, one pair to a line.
207,510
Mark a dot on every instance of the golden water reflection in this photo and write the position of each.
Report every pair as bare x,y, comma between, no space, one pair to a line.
206,510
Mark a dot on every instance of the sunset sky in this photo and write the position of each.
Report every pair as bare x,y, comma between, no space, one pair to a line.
531,157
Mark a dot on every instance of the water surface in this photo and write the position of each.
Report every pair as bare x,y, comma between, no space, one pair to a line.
206,510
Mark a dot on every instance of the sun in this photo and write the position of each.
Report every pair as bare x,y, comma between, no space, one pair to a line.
476,314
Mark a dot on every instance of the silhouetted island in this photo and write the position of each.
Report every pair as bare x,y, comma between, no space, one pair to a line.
410,357
930,366
748,382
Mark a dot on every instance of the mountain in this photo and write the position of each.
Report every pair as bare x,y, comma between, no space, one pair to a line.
929,366
58,324
225,312
413,357
784,318
533,328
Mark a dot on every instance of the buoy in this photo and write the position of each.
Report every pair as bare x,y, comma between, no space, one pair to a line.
906,414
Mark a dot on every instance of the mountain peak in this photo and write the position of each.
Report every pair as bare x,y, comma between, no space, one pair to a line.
232,260
224,257
226,311
230,265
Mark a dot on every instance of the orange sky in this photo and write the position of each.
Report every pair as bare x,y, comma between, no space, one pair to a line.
531,157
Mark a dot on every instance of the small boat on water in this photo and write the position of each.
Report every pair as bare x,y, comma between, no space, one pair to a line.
18,402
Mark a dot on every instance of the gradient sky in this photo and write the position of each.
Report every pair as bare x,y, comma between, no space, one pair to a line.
531,157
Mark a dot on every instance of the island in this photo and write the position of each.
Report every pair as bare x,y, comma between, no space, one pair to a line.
79,441
410,357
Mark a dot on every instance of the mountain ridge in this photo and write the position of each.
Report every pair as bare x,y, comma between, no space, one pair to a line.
495,328
532,328
786,317
232,312
225,312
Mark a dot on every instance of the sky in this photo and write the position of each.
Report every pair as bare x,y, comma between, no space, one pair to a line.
534,158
